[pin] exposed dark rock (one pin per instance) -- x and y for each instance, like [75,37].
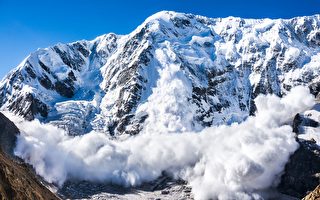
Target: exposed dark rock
[315,88]
[72,76]
[79,47]
[17,180]
[74,62]
[30,71]
[199,92]
[65,88]
[133,84]
[28,106]
[300,121]
[126,105]
[181,23]
[45,82]
[302,172]
[15,78]
[45,67]
[310,123]
[314,195]
[297,120]
[7,135]
[2,96]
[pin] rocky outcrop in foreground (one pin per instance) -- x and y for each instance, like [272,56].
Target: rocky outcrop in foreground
[17,180]
[314,195]
[302,172]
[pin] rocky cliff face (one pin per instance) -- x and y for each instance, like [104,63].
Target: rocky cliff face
[302,172]
[17,180]
[216,66]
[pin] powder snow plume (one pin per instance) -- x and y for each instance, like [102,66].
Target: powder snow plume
[225,162]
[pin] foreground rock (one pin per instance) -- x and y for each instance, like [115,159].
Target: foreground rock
[302,172]
[17,181]
[314,195]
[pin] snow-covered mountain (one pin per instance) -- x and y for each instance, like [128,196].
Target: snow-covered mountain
[181,71]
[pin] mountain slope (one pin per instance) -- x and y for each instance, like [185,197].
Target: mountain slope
[17,180]
[119,84]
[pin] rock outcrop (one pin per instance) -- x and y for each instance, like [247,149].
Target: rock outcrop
[314,195]
[17,180]
[302,172]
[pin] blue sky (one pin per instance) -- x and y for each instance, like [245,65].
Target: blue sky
[28,25]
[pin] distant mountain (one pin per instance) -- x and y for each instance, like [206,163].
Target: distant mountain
[211,69]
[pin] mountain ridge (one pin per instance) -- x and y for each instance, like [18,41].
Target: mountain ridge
[101,84]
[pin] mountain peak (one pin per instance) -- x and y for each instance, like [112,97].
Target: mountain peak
[164,15]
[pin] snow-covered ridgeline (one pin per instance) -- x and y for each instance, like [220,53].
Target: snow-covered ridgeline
[217,67]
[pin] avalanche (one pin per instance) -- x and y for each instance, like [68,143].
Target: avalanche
[224,162]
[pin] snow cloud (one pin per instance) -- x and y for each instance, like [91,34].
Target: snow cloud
[225,162]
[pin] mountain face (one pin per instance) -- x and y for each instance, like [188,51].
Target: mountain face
[213,67]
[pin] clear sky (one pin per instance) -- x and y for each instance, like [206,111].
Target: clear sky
[26,25]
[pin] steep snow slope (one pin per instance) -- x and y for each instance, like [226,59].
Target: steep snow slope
[59,84]
[181,71]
